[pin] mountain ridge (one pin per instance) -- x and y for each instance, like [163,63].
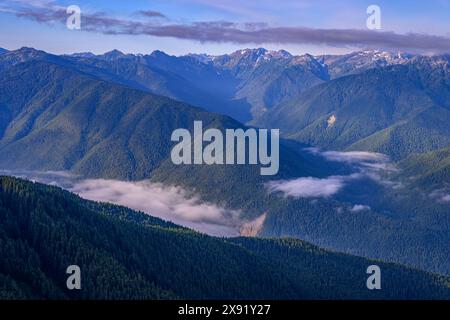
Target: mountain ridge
[401,98]
[122,253]
[243,84]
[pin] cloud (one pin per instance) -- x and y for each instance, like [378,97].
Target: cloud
[355,156]
[151,14]
[365,164]
[146,196]
[441,195]
[242,33]
[363,159]
[359,207]
[369,163]
[309,187]
[166,202]
[169,203]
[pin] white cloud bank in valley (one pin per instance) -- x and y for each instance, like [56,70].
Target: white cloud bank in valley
[166,202]
[358,158]
[366,165]
[309,187]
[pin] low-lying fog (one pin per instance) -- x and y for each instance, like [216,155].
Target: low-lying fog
[175,204]
[165,202]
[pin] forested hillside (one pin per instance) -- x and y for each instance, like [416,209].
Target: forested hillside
[70,120]
[429,171]
[126,254]
[396,110]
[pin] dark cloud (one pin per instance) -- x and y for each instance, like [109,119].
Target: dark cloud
[151,14]
[247,33]
[55,15]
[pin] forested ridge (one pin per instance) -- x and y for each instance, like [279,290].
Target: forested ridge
[125,254]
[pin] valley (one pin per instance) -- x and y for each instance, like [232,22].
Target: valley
[362,171]
[226,158]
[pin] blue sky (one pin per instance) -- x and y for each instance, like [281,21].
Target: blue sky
[222,26]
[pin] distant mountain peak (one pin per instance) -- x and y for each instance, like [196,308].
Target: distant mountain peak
[283,53]
[309,61]
[83,55]
[28,50]
[259,52]
[358,61]
[201,57]
[305,57]
[248,52]
[113,54]
[389,56]
[159,54]
[254,56]
[25,53]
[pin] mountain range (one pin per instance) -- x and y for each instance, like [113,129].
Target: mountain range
[274,88]
[267,88]
[397,110]
[110,116]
